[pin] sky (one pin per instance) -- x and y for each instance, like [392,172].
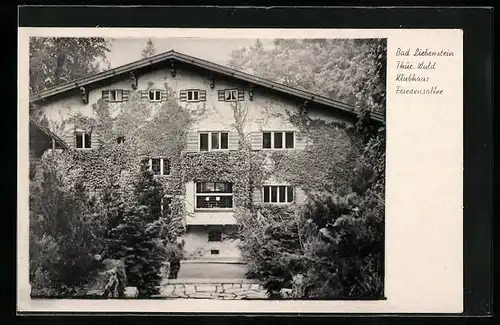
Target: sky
[126,50]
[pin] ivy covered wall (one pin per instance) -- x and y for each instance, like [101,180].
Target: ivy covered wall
[162,129]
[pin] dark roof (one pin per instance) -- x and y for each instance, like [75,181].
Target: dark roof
[217,68]
[60,144]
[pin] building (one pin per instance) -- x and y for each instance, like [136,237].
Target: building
[235,117]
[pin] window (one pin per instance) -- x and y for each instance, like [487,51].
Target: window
[159,166]
[214,252]
[231,95]
[278,140]
[83,140]
[215,235]
[155,95]
[213,141]
[193,95]
[214,195]
[278,194]
[120,140]
[115,95]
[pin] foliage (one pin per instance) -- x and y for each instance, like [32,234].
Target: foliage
[337,68]
[63,234]
[334,244]
[55,60]
[149,50]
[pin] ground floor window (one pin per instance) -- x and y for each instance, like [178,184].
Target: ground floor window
[214,235]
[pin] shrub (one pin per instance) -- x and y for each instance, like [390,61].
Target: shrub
[62,234]
[135,235]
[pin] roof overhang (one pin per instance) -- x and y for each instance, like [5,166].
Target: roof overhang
[216,68]
[50,136]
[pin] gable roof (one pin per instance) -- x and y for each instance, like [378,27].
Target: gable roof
[60,143]
[216,68]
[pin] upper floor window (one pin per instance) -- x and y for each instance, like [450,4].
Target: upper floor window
[115,95]
[214,141]
[159,166]
[214,195]
[193,95]
[120,139]
[231,95]
[278,140]
[83,140]
[155,95]
[278,194]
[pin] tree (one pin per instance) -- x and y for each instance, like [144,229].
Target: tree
[136,236]
[63,234]
[149,50]
[56,60]
[336,68]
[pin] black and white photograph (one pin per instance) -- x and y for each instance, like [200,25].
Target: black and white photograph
[207,168]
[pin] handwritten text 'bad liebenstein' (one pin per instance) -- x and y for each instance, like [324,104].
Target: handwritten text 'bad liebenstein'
[413,67]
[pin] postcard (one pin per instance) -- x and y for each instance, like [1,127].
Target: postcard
[247,171]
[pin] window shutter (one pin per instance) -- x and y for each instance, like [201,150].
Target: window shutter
[203,96]
[221,95]
[95,140]
[125,95]
[257,196]
[105,95]
[300,140]
[192,142]
[183,95]
[233,141]
[163,94]
[190,199]
[145,94]
[69,138]
[241,95]
[300,196]
[256,140]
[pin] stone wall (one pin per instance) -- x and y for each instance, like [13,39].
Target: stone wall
[209,289]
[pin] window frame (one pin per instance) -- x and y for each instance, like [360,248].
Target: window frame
[219,140]
[155,92]
[287,186]
[162,164]
[116,91]
[231,91]
[196,195]
[193,92]
[283,140]
[83,134]
[219,232]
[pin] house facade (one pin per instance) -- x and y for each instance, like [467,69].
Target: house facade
[218,139]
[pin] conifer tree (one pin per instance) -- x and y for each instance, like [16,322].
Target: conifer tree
[149,50]
[137,236]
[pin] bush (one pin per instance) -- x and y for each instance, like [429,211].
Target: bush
[136,233]
[62,234]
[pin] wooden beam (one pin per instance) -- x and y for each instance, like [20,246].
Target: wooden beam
[133,77]
[172,68]
[84,95]
[250,91]
[212,80]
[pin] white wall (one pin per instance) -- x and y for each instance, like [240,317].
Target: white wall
[265,112]
[196,243]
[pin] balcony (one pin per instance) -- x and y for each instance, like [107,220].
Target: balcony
[206,218]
